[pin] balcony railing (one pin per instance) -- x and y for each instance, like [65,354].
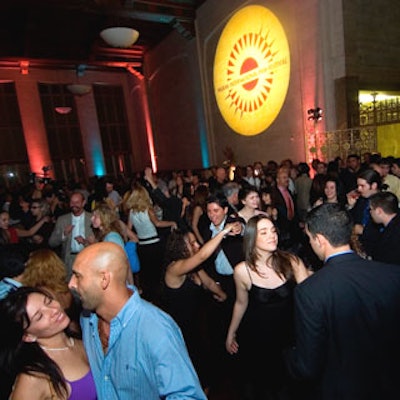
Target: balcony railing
[380,112]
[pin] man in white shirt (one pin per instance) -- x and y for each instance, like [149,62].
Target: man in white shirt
[72,230]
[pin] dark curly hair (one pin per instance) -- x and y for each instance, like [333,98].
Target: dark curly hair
[176,247]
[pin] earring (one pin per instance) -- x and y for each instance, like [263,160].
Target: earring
[29,338]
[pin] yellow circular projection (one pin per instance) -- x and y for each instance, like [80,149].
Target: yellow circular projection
[251,70]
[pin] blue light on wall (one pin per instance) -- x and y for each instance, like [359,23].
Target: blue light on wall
[98,162]
[205,155]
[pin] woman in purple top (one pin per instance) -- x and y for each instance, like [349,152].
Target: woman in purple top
[39,357]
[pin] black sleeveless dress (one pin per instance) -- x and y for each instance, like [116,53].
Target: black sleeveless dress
[265,331]
[186,305]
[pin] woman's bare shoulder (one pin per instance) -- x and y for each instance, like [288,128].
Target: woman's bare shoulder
[31,387]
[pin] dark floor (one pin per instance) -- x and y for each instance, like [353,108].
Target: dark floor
[224,391]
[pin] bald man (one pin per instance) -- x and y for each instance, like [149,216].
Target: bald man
[135,350]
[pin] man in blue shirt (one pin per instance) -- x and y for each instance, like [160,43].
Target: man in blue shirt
[12,266]
[135,350]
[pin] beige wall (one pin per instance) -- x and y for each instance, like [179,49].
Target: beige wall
[316,58]
[175,103]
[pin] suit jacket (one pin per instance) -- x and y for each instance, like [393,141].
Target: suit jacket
[371,231]
[56,237]
[387,247]
[347,318]
[232,246]
[290,234]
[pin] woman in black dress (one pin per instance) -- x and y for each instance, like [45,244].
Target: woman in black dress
[183,290]
[261,325]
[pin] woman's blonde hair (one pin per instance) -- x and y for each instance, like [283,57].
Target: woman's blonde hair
[109,220]
[45,268]
[139,199]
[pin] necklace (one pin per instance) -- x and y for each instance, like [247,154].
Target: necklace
[104,333]
[70,345]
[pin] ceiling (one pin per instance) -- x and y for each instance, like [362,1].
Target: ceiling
[65,33]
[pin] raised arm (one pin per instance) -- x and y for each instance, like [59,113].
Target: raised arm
[186,265]
[33,229]
[197,213]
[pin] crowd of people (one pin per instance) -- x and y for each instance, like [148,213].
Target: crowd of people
[282,280]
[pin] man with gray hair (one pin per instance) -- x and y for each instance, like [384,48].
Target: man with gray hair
[231,191]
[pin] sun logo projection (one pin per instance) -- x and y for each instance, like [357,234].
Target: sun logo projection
[243,73]
[251,70]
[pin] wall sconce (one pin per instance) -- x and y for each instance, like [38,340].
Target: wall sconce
[119,36]
[24,67]
[63,110]
[315,114]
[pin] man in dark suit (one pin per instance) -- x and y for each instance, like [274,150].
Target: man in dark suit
[384,209]
[369,182]
[220,266]
[290,235]
[347,317]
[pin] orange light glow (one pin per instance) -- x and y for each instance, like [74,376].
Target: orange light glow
[149,130]
[24,65]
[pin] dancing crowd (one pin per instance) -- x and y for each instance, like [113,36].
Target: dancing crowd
[263,282]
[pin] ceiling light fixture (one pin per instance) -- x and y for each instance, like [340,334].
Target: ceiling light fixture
[79,89]
[122,37]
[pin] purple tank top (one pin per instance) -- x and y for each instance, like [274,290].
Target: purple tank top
[83,388]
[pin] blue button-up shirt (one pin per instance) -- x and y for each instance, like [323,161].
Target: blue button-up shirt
[146,358]
[7,285]
[222,264]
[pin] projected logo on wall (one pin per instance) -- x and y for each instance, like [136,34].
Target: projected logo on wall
[251,70]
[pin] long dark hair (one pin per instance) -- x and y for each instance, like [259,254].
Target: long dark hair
[280,261]
[18,356]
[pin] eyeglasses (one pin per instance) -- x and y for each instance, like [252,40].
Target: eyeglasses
[34,207]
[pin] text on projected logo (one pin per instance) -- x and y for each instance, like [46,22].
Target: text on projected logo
[251,70]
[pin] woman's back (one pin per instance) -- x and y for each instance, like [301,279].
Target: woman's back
[114,237]
[145,229]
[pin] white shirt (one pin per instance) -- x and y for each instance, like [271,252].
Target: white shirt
[222,264]
[78,229]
